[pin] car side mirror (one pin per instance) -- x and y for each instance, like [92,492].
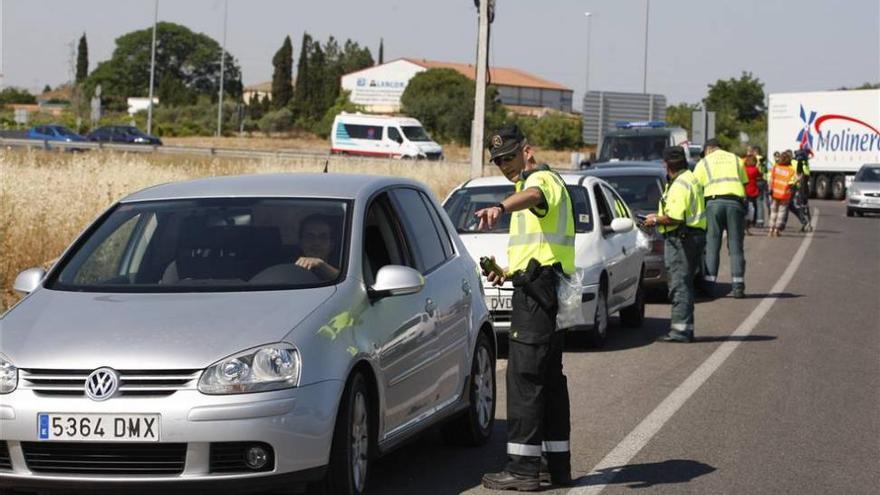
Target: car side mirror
[399,140]
[396,280]
[28,280]
[622,225]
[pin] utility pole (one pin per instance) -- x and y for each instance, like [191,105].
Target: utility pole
[1,45]
[222,67]
[152,69]
[645,67]
[589,16]
[477,128]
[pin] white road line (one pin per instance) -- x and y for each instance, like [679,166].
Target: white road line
[642,434]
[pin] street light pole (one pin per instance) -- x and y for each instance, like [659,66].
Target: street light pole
[152,69]
[222,67]
[589,17]
[645,68]
[477,128]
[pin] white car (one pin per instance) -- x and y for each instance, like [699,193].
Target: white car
[605,248]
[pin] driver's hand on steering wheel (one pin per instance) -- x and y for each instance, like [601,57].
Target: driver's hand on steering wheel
[310,263]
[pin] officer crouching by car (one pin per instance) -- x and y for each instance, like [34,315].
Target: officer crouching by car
[541,243]
[681,219]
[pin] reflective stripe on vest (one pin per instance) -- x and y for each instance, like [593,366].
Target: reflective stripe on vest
[548,239]
[781,179]
[722,173]
[695,213]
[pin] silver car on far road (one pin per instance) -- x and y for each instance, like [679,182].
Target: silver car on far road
[243,333]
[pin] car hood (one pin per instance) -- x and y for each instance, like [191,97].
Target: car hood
[866,187]
[75,330]
[428,147]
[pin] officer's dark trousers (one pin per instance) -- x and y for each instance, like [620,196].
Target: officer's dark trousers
[681,257]
[729,215]
[538,421]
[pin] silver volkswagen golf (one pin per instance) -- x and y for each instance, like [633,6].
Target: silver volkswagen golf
[245,332]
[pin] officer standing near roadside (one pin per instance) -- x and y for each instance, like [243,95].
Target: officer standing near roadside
[681,219]
[723,176]
[541,243]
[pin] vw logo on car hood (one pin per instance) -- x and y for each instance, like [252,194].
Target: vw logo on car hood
[102,384]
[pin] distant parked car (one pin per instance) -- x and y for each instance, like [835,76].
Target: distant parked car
[53,132]
[123,134]
[640,184]
[863,196]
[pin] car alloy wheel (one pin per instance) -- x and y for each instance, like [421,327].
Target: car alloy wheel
[360,441]
[484,382]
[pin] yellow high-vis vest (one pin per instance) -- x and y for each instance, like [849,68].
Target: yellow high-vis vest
[546,235]
[683,200]
[721,174]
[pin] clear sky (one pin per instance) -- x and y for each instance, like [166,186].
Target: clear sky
[790,45]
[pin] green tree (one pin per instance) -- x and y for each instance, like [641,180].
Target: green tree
[172,92]
[681,115]
[282,90]
[738,104]
[47,88]
[11,96]
[381,51]
[192,58]
[342,104]
[744,97]
[301,88]
[443,100]
[82,60]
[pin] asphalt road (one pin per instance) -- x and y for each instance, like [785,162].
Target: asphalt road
[780,394]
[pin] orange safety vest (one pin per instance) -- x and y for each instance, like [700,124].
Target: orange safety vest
[781,180]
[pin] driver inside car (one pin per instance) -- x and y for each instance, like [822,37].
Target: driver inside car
[317,242]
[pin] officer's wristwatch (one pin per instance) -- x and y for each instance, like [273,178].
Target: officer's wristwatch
[503,209]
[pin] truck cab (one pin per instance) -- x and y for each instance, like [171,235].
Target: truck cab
[642,141]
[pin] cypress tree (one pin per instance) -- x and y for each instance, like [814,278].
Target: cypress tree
[82,60]
[381,51]
[301,90]
[282,90]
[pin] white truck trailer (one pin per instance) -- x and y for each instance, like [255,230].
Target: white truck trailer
[841,128]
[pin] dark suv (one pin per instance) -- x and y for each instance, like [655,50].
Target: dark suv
[123,134]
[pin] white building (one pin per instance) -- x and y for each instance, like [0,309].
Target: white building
[379,88]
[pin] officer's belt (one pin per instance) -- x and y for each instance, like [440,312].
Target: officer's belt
[732,197]
[682,232]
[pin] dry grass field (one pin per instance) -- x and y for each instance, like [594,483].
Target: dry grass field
[47,198]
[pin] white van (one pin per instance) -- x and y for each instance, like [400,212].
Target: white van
[382,136]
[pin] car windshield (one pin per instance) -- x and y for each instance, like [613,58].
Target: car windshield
[868,174]
[639,148]
[641,192]
[210,245]
[462,204]
[415,133]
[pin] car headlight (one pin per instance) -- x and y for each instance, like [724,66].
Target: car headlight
[8,376]
[140,140]
[271,367]
[854,193]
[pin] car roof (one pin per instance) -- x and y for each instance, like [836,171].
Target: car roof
[628,170]
[570,178]
[337,186]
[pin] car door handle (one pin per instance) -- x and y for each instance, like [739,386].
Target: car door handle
[623,249]
[430,307]
[465,287]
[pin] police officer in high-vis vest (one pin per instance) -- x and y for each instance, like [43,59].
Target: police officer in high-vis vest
[540,247]
[723,176]
[681,219]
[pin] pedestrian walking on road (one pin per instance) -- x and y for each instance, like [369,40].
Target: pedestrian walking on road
[752,191]
[681,219]
[762,206]
[782,180]
[723,176]
[541,244]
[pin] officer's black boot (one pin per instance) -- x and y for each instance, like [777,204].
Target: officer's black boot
[510,481]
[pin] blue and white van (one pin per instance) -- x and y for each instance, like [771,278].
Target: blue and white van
[382,136]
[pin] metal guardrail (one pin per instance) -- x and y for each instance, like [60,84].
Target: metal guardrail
[180,150]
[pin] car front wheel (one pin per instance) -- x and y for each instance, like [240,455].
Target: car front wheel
[600,319]
[474,427]
[347,472]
